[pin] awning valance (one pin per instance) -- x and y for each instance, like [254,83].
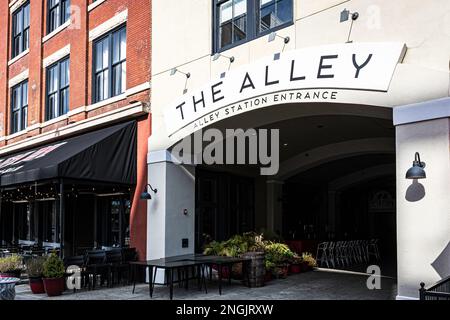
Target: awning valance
[106,155]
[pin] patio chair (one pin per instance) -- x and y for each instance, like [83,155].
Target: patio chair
[79,261]
[96,266]
[373,249]
[321,255]
[114,261]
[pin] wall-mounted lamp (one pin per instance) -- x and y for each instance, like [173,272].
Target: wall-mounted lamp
[175,70]
[145,195]
[273,35]
[416,171]
[217,55]
[345,15]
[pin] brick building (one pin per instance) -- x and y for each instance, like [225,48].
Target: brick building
[69,69]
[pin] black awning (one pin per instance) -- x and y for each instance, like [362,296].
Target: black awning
[107,155]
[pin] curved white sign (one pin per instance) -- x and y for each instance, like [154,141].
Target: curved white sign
[304,75]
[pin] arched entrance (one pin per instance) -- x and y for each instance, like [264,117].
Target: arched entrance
[332,168]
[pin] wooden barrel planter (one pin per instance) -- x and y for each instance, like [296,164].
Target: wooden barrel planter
[256,269]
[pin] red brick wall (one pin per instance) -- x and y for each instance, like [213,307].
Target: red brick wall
[77,35]
[138,57]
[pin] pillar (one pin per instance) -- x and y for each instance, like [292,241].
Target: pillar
[171,211]
[274,206]
[423,206]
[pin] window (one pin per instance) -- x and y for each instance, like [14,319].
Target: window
[58,79]
[58,13]
[238,21]
[21,30]
[110,66]
[19,107]
[273,13]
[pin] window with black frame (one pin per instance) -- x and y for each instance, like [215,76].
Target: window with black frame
[110,65]
[19,107]
[58,86]
[21,29]
[239,21]
[58,13]
[273,13]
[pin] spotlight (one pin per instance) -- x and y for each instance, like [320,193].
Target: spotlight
[273,35]
[175,70]
[145,195]
[217,55]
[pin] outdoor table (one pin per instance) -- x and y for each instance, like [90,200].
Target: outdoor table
[169,266]
[221,262]
[8,288]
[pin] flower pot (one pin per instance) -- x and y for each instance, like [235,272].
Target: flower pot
[268,276]
[281,271]
[225,271]
[11,274]
[37,285]
[295,268]
[54,286]
[306,267]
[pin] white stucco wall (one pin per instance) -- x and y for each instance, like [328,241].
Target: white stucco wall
[182,38]
[423,206]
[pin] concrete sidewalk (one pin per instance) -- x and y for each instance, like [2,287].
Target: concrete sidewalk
[317,285]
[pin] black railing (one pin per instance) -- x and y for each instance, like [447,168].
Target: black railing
[438,291]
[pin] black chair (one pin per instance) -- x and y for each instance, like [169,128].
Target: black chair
[96,266]
[79,261]
[114,261]
[128,255]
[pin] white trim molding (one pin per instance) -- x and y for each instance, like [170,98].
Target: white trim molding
[14,5]
[53,121]
[19,78]
[139,88]
[76,111]
[57,55]
[423,111]
[18,57]
[56,31]
[94,5]
[108,25]
[127,112]
[106,102]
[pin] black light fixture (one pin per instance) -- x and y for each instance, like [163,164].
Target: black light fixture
[273,35]
[217,55]
[145,195]
[175,70]
[417,170]
[345,14]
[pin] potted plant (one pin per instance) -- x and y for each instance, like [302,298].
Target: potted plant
[270,266]
[11,267]
[296,264]
[53,275]
[309,262]
[280,255]
[35,269]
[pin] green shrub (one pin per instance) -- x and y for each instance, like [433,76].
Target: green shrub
[309,259]
[53,267]
[278,253]
[11,263]
[35,267]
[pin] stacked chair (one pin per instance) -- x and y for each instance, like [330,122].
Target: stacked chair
[332,254]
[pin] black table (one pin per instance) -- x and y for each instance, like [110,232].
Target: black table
[169,266]
[221,262]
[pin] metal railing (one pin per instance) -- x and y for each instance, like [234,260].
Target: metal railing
[438,291]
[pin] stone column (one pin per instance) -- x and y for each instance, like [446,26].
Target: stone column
[423,206]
